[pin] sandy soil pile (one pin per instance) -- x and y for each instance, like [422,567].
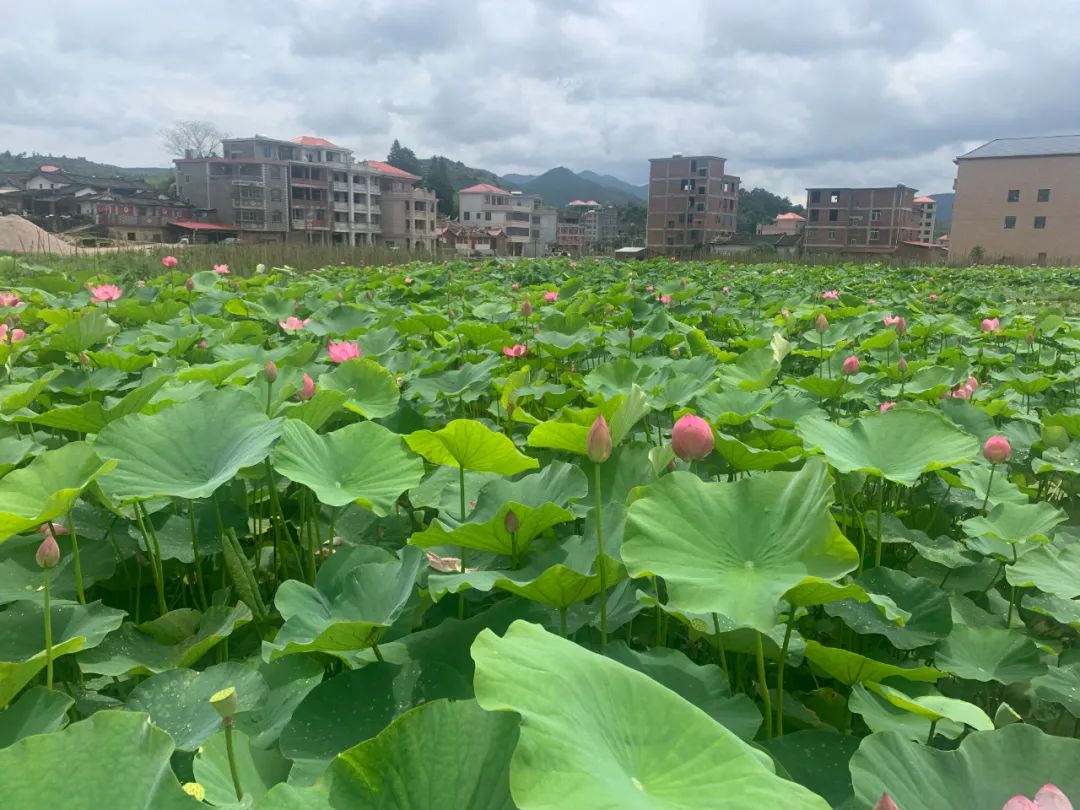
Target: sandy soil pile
[18,235]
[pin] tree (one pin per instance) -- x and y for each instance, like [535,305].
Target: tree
[404,158]
[437,179]
[631,223]
[201,138]
[759,206]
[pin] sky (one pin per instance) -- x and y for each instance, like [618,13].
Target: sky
[793,94]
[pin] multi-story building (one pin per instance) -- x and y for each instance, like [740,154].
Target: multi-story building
[546,219]
[789,223]
[926,214]
[408,212]
[519,215]
[570,233]
[692,203]
[601,227]
[133,218]
[1018,201]
[859,220]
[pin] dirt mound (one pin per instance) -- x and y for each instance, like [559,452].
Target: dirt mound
[18,235]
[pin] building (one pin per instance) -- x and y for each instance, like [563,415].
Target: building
[601,223]
[789,223]
[570,234]
[859,220]
[408,212]
[547,219]
[520,215]
[133,218]
[1017,201]
[926,214]
[758,244]
[692,203]
[471,240]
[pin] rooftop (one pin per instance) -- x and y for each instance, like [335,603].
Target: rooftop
[929,200]
[1041,146]
[311,140]
[192,225]
[791,215]
[483,188]
[678,156]
[385,168]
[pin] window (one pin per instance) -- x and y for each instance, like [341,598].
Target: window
[131,236]
[671,223]
[671,240]
[834,197]
[275,217]
[1043,195]
[275,195]
[814,214]
[187,178]
[873,235]
[487,216]
[815,196]
[700,207]
[832,233]
[875,215]
[1014,195]
[466,215]
[682,219]
[1042,260]
[1010,223]
[834,215]
[142,210]
[1040,223]
[703,172]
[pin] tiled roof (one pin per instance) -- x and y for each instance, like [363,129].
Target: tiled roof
[191,225]
[577,202]
[483,188]
[1026,147]
[930,200]
[311,140]
[791,215]
[923,244]
[48,167]
[385,168]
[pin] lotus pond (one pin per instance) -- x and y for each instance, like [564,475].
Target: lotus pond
[539,535]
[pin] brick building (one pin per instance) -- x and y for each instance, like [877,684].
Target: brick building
[859,220]
[693,203]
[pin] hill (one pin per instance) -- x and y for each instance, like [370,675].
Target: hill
[560,185]
[462,176]
[642,192]
[27,162]
[518,179]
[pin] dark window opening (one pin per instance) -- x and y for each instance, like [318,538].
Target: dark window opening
[1014,195]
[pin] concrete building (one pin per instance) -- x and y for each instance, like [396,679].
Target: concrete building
[570,234]
[1018,201]
[133,218]
[789,223]
[519,215]
[546,218]
[859,220]
[601,228]
[470,240]
[407,212]
[926,214]
[692,203]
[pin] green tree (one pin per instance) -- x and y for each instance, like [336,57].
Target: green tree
[404,158]
[630,219]
[759,206]
[437,179]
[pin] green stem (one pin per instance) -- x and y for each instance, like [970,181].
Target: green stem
[79,592]
[930,736]
[780,672]
[720,646]
[378,653]
[600,567]
[989,486]
[159,585]
[766,699]
[880,506]
[231,752]
[195,552]
[48,634]
[562,622]
[461,493]
[1012,601]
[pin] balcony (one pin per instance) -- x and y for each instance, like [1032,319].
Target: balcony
[241,202]
[248,182]
[340,206]
[339,186]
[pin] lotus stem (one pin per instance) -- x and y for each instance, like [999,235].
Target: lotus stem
[48,634]
[231,752]
[154,554]
[195,552]
[562,622]
[780,671]
[601,568]
[930,736]
[880,506]
[720,646]
[461,493]
[76,560]
[766,699]
[378,653]
[989,486]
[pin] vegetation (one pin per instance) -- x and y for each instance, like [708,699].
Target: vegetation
[760,207]
[195,138]
[537,534]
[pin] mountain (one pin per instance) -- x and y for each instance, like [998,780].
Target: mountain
[518,179]
[560,185]
[642,192]
[944,210]
[24,162]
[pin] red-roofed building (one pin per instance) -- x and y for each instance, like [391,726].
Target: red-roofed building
[311,140]
[784,223]
[483,188]
[926,211]
[393,171]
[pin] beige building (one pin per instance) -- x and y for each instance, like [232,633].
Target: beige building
[1018,201]
[521,216]
[407,213]
[859,220]
[789,223]
[926,214]
[692,204]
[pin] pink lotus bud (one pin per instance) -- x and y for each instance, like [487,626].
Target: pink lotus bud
[692,438]
[630,333]
[972,383]
[270,370]
[1049,797]
[203,344]
[515,287]
[48,553]
[961,393]
[169,261]
[900,324]
[511,522]
[901,365]
[526,308]
[885,803]
[307,390]
[997,449]
[851,365]
[190,283]
[886,406]
[551,296]
[933,297]
[1030,338]
[598,442]
[664,299]
[84,359]
[822,323]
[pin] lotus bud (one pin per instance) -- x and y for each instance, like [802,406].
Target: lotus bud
[692,438]
[886,406]
[190,283]
[203,344]
[901,365]
[900,325]
[260,268]
[270,370]
[1030,338]
[48,553]
[997,450]
[1055,436]
[851,365]
[822,323]
[598,442]
[630,333]
[84,359]
[885,803]
[307,390]
[515,287]
[526,308]
[511,522]
[224,703]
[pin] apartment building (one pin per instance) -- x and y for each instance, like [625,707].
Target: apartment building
[599,221]
[926,215]
[859,220]
[407,212]
[519,215]
[784,224]
[692,203]
[1018,201]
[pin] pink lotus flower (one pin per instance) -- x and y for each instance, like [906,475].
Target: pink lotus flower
[831,295]
[933,297]
[170,261]
[203,344]
[293,324]
[664,299]
[307,390]
[445,565]
[598,441]
[897,321]
[961,393]
[573,265]
[11,335]
[221,269]
[886,406]
[341,351]
[408,280]
[851,365]
[997,449]
[972,383]
[1049,797]
[10,299]
[692,438]
[885,803]
[106,292]
[56,529]
[517,350]
[551,296]
[991,325]
[515,287]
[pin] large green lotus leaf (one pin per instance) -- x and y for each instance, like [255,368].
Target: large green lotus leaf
[92,328]
[47,487]
[557,483]
[570,429]
[13,450]
[179,700]
[373,391]
[742,456]
[1015,522]
[470,445]
[361,463]
[988,769]
[706,686]
[22,638]
[752,370]
[257,769]
[288,680]
[37,711]
[935,707]
[851,668]
[733,406]
[926,604]
[881,715]
[356,705]
[1060,685]
[899,445]
[817,760]
[588,734]
[1055,460]
[316,411]
[989,654]
[1048,569]
[492,535]
[350,606]
[816,591]
[1066,611]
[113,760]
[976,478]
[467,383]
[736,548]
[177,639]
[187,450]
[20,575]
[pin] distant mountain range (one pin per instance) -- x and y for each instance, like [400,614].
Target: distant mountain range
[24,162]
[560,186]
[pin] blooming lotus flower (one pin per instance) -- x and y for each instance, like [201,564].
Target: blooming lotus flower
[170,261]
[896,321]
[106,292]
[293,324]
[692,438]
[551,296]
[664,299]
[598,441]
[886,406]
[961,393]
[822,323]
[851,365]
[11,335]
[933,297]
[445,565]
[972,383]
[221,269]
[831,295]
[1049,797]
[408,280]
[526,308]
[307,390]
[48,553]
[341,351]
[997,449]
[10,299]
[517,350]
[515,287]
[991,325]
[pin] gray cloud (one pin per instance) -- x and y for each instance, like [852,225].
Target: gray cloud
[793,92]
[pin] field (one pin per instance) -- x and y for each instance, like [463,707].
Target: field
[546,534]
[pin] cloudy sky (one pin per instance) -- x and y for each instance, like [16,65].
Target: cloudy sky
[793,93]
